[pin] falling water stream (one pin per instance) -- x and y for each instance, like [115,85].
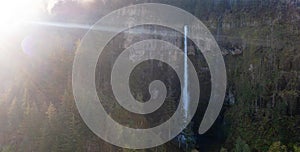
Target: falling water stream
[210,142]
[185,92]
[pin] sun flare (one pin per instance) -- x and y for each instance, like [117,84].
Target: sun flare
[14,12]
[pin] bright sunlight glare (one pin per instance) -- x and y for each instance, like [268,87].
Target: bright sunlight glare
[14,12]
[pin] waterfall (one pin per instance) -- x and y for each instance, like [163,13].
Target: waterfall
[185,93]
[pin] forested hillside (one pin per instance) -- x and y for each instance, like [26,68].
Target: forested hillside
[259,40]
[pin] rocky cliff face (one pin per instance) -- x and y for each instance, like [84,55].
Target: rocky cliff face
[259,41]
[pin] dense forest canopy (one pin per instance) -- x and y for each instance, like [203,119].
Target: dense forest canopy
[259,40]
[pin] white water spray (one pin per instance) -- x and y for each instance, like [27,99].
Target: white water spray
[185,92]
